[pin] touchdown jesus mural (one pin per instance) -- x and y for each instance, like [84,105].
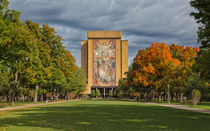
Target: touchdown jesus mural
[104,63]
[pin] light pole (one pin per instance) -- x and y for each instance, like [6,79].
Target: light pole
[168,94]
[54,94]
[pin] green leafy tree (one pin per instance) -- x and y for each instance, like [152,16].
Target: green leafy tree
[36,67]
[14,40]
[5,80]
[123,86]
[203,65]
[76,83]
[42,92]
[23,92]
[33,58]
[57,82]
[202,17]
[195,82]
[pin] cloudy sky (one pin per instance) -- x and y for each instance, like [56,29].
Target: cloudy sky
[141,21]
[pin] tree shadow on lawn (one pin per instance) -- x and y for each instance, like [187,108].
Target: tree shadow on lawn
[107,117]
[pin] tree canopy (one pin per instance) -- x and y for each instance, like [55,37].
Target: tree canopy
[33,58]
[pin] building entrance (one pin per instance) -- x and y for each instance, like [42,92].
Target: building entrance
[104,91]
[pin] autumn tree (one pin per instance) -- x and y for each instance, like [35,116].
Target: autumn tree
[181,73]
[150,66]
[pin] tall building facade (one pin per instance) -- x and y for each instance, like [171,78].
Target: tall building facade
[104,59]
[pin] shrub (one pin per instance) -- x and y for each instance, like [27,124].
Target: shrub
[84,96]
[93,93]
[120,95]
[110,93]
[196,95]
[115,93]
[98,94]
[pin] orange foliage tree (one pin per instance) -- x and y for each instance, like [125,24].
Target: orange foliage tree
[159,65]
[179,75]
[150,66]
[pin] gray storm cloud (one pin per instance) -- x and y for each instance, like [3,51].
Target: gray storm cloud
[141,21]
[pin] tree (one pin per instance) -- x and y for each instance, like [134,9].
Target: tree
[122,86]
[195,82]
[5,80]
[57,81]
[76,83]
[179,75]
[14,40]
[159,65]
[33,58]
[150,67]
[36,68]
[203,65]
[202,17]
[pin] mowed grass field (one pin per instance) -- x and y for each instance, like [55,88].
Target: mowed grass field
[101,115]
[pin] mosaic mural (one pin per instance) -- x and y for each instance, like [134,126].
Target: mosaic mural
[104,58]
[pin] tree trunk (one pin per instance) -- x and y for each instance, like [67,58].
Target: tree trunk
[145,96]
[23,98]
[172,98]
[53,93]
[176,97]
[164,96]
[42,97]
[181,96]
[7,98]
[36,93]
[14,89]
[159,98]
[159,95]
[52,97]
[57,95]
[153,96]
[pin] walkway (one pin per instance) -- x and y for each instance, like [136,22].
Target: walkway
[183,107]
[27,105]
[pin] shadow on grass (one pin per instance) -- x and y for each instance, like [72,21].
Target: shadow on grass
[88,115]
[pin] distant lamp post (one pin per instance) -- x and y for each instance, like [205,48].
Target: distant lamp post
[54,94]
[168,94]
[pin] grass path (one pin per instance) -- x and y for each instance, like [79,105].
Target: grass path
[102,115]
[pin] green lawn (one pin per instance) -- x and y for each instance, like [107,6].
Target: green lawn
[100,115]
